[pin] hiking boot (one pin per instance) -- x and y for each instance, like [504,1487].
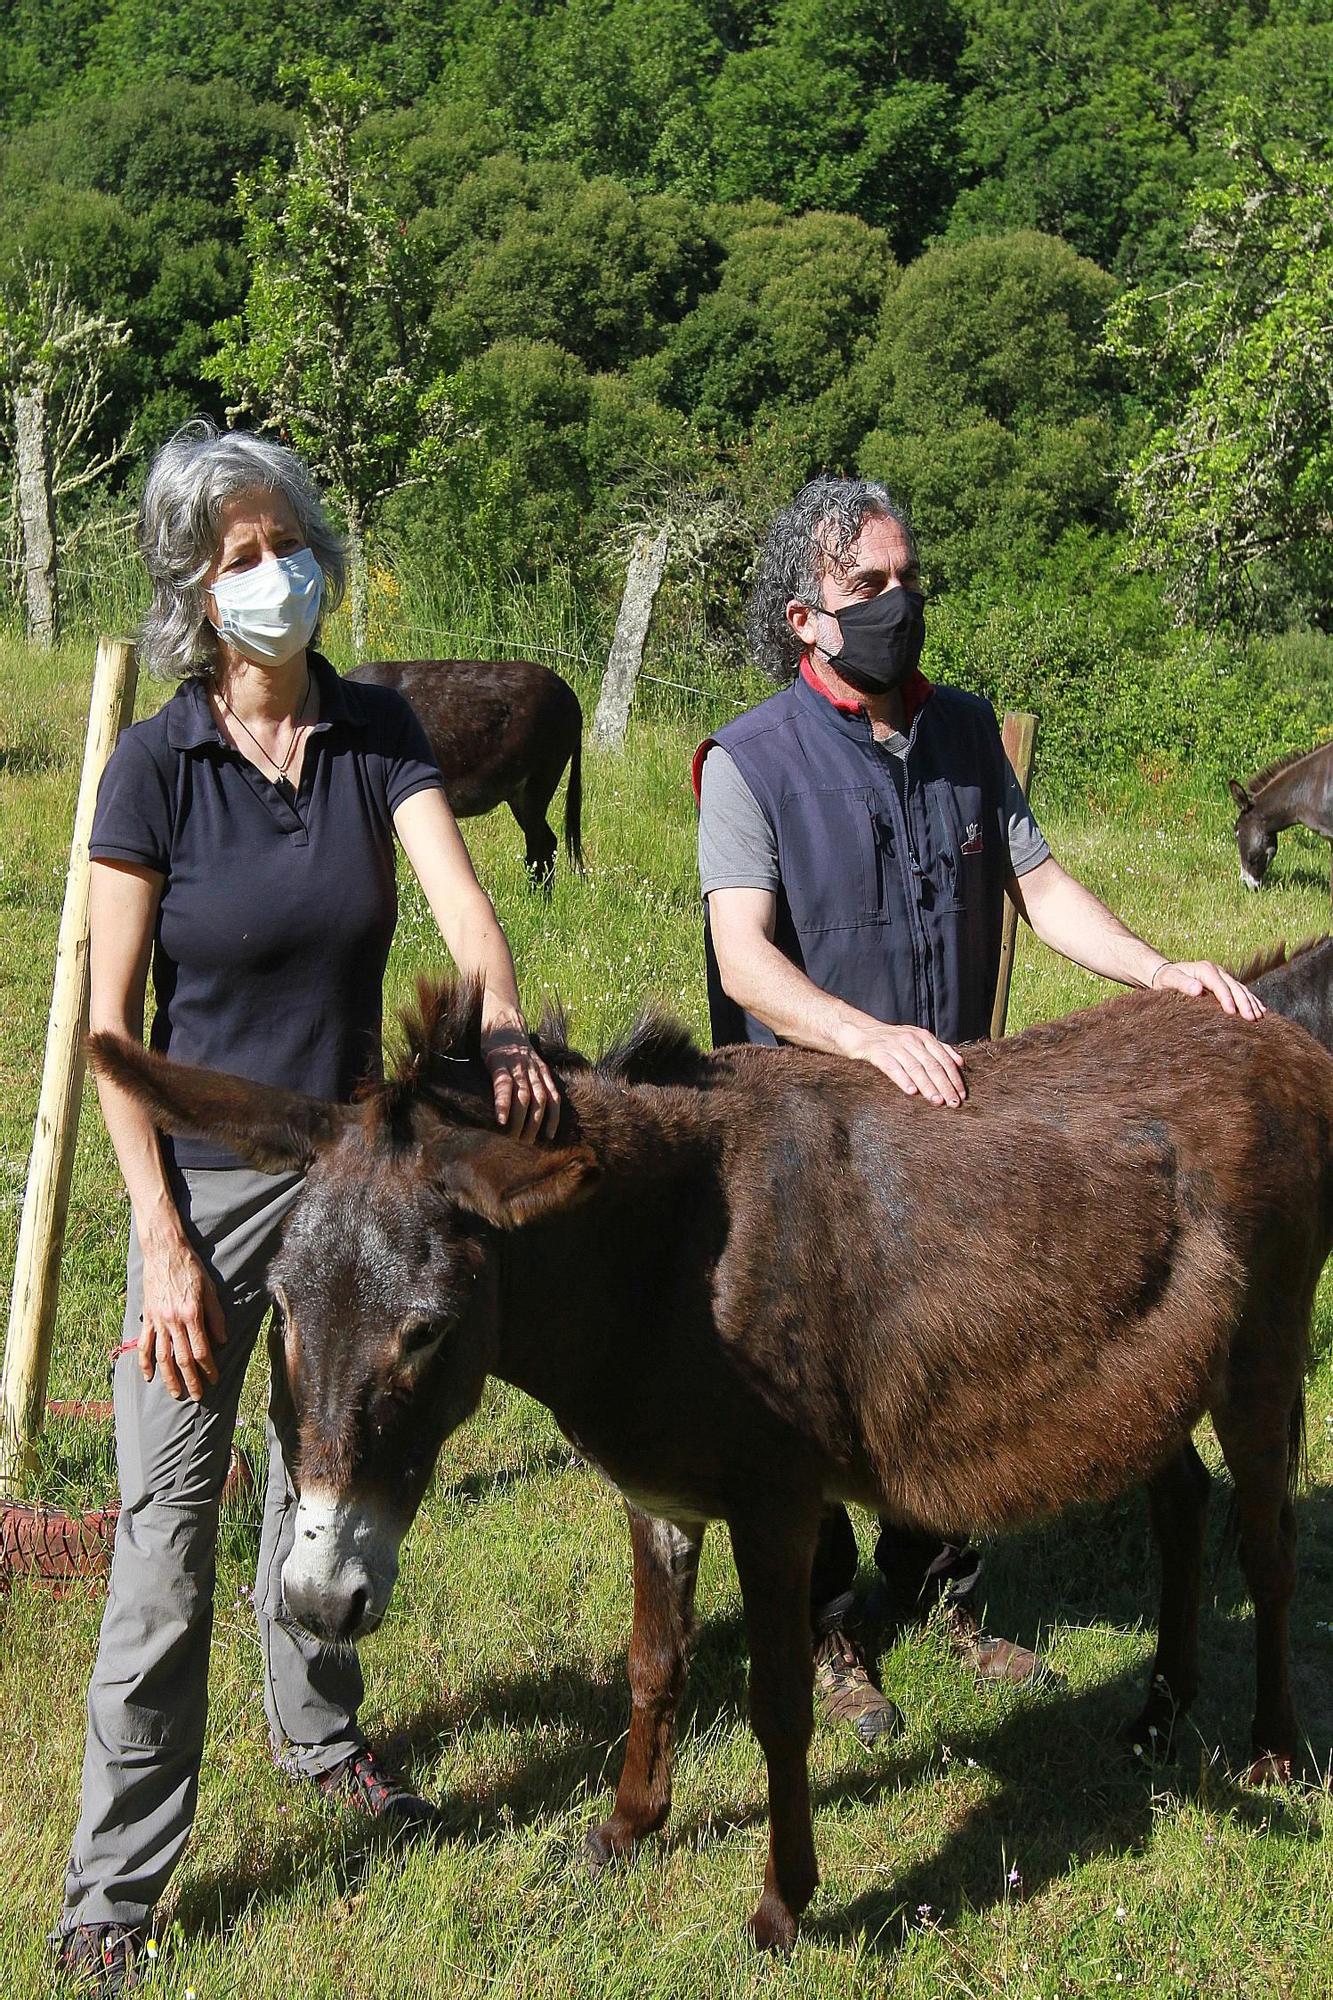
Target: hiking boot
[990,1659]
[98,1960]
[363,1785]
[847,1691]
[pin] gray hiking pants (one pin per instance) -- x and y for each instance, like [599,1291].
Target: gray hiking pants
[149,1695]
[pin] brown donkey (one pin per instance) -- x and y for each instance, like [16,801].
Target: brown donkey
[748,1282]
[502,732]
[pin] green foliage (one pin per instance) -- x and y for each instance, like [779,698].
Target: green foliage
[995,412]
[796,302]
[843,106]
[134,198]
[1181,704]
[1080,118]
[668,258]
[536,250]
[1229,496]
[331,346]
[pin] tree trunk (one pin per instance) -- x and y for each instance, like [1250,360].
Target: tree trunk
[37,516]
[357,579]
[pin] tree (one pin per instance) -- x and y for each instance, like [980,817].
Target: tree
[331,346]
[1230,495]
[53,353]
[995,410]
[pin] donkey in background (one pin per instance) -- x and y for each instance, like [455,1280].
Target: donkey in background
[747,1282]
[1296,791]
[502,732]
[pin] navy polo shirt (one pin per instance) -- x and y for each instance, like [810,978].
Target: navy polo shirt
[278,906]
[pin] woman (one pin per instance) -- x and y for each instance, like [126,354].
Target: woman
[243,842]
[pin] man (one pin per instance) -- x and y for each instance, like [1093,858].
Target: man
[857,833]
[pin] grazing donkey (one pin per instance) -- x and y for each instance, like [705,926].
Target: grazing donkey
[502,732]
[1296,791]
[748,1282]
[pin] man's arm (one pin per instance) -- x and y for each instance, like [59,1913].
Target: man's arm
[1075,923]
[759,978]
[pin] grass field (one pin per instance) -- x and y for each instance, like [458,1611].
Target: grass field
[1003,1846]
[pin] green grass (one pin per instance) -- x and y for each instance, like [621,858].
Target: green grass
[499,1675]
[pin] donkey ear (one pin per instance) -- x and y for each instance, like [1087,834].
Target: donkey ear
[1239,794]
[273,1129]
[508,1183]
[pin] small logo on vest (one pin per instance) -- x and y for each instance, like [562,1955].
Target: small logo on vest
[972,845]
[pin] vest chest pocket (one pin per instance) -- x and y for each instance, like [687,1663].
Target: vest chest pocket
[827,857]
[960,842]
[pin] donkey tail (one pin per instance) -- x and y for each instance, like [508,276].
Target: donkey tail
[574,804]
[1298,1447]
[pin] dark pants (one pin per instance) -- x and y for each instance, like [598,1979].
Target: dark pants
[917,1568]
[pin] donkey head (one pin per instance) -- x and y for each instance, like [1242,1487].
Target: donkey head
[387,1285]
[1256,841]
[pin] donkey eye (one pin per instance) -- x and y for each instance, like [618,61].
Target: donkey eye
[418,1334]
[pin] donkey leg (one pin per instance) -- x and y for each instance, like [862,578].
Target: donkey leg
[1258,1454]
[666,1564]
[539,842]
[1178,1504]
[773,1560]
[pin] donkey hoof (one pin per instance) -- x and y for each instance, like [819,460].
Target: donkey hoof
[1270,1767]
[773,1927]
[606,1843]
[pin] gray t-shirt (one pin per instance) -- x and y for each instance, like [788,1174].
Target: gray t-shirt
[738,848]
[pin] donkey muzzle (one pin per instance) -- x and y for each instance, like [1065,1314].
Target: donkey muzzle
[340,1573]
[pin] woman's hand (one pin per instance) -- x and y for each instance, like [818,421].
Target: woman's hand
[527,1097]
[182,1319]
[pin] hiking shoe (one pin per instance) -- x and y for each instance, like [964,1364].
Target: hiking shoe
[363,1784]
[990,1659]
[98,1959]
[847,1691]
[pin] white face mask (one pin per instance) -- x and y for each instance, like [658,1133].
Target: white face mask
[269,612]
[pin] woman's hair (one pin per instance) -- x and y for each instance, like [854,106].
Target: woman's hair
[190,481]
[805,542]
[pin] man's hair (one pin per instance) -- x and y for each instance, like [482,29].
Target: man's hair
[805,542]
[192,478]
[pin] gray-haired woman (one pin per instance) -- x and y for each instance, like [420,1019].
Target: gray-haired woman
[244,844]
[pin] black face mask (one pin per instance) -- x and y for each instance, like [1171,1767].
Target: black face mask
[882,639]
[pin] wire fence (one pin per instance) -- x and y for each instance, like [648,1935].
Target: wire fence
[556,619]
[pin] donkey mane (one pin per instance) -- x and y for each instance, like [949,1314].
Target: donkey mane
[1262,779]
[1276,955]
[439,1060]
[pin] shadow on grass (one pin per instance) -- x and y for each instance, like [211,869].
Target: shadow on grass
[477,1487]
[1068,1791]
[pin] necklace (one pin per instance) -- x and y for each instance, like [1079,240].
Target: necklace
[267,755]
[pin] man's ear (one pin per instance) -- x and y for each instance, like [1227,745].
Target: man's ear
[274,1129]
[1240,795]
[507,1182]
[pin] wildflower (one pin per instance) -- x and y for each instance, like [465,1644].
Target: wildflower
[1121,1914]
[1013,1878]
[151,1947]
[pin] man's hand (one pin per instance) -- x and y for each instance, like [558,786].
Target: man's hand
[182,1320]
[912,1058]
[1199,975]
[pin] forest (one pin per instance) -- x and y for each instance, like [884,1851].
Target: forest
[524,278]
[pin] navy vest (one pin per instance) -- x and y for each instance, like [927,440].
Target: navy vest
[893,870]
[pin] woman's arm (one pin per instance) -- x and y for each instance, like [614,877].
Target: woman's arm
[182,1319]
[524,1087]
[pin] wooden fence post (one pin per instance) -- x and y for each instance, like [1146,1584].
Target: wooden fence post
[1020,743]
[32,1308]
[622,668]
